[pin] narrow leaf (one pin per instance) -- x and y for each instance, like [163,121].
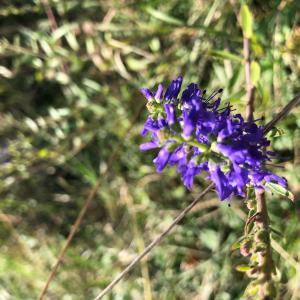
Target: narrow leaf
[275,132]
[242,268]
[225,55]
[276,232]
[278,189]
[163,17]
[237,244]
[246,21]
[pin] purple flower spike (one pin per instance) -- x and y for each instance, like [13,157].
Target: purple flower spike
[197,134]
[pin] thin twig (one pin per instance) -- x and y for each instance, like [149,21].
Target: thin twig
[24,249]
[293,103]
[127,198]
[54,27]
[50,15]
[155,242]
[85,207]
[70,237]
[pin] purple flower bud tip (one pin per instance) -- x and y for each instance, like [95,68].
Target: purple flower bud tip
[147,93]
[159,92]
[149,145]
[162,159]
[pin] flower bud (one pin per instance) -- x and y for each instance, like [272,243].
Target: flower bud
[253,273]
[245,248]
[251,204]
[262,236]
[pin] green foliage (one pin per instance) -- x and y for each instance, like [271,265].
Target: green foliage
[246,21]
[71,113]
[276,188]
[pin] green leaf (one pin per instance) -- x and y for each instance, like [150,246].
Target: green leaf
[255,72]
[72,41]
[237,244]
[276,232]
[163,17]
[137,64]
[278,189]
[210,239]
[276,132]
[84,169]
[225,55]
[246,21]
[154,44]
[242,268]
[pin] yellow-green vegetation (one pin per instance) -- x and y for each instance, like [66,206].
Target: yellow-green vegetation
[71,114]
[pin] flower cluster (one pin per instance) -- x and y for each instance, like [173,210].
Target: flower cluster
[195,133]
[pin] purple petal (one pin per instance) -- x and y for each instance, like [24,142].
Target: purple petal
[159,92]
[177,155]
[277,179]
[191,172]
[149,145]
[221,181]
[147,93]
[174,89]
[190,119]
[192,92]
[151,125]
[170,111]
[162,159]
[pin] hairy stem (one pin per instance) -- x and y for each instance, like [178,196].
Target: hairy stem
[249,85]
[262,222]
[264,255]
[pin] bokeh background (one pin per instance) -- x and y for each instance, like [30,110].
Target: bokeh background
[71,114]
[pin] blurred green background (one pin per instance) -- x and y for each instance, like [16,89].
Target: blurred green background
[71,114]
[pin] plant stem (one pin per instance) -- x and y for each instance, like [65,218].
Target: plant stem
[85,207]
[153,243]
[74,229]
[264,255]
[293,103]
[262,222]
[249,85]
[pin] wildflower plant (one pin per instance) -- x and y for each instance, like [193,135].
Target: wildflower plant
[198,134]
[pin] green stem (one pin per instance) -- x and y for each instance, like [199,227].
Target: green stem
[202,147]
